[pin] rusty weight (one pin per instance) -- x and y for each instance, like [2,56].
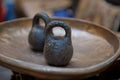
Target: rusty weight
[58,50]
[36,37]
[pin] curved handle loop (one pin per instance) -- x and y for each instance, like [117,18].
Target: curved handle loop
[56,23]
[42,16]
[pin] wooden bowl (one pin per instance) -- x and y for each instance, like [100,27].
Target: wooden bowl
[95,48]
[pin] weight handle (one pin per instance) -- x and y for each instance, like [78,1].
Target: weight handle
[56,23]
[42,16]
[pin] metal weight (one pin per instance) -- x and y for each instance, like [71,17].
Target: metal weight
[37,34]
[58,50]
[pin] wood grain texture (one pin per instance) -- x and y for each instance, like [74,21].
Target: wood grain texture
[95,48]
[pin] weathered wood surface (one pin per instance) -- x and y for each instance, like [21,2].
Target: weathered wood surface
[95,48]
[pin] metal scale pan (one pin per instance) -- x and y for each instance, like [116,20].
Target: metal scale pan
[95,48]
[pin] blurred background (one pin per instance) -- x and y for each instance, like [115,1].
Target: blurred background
[102,12]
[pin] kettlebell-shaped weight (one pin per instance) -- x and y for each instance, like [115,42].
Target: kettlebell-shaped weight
[36,36]
[58,51]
